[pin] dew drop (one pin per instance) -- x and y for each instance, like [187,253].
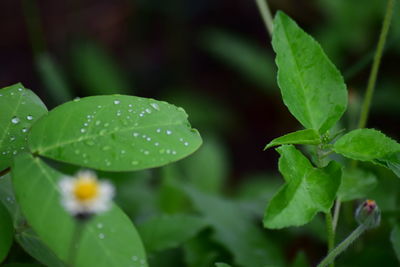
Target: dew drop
[155,106]
[186,144]
[148,139]
[134,162]
[24,130]
[156,144]
[83,130]
[169,132]
[146,152]
[85,124]
[158,130]
[12,138]
[99,225]
[106,124]
[123,151]
[97,123]
[76,99]
[15,152]
[135,134]
[20,89]
[29,117]
[148,110]
[15,120]
[101,236]
[116,102]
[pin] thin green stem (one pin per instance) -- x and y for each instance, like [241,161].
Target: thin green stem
[330,233]
[336,214]
[342,246]
[266,15]
[73,246]
[375,65]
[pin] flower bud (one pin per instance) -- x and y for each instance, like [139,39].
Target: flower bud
[368,214]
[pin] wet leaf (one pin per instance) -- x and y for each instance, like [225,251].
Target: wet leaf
[19,109]
[109,239]
[115,133]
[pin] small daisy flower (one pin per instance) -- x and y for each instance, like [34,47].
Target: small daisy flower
[84,195]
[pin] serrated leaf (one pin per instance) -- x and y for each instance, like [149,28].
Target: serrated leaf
[169,231]
[356,184]
[6,232]
[235,230]
[368,145]
[307,191]
[109,239]
[19,109]
[115,133]
[395,239]
[311,86]
[302,137]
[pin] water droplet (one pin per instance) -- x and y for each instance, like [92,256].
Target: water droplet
[148,139]
[116,102]
[181,139]
[15,120]
[158,130]
[12,138]
[76,99]
[169,132]
[15,152]
[85,124]
[135,134]
[101,236]
[90,143]
[99,225]
[108,163]
[173,152]
[29,117]
[24,130]
[146,152]
[155,106]
[134,162]
[106,124]
[186,144]
[168,151]
[105,148]
[148,110]
[83,130]
[130,105]
[156,144]
[97,123]
[123,151]
[99,106]
[141,114]
[20,89]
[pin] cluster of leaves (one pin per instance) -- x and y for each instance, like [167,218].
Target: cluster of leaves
[109,133]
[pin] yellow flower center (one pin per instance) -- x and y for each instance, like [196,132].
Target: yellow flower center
[86,189]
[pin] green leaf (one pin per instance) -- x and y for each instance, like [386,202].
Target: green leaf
[221,264]
[6,232]
[367,145]
[307,191]
[300,260]
[115,133]
[395,239]
[235,230]
[302,137]
[32,244]
[24,235]
[391,162]
[356,184]
[311,86]
[200,251]
[169,231]
[109,239]
[213,155]
[19,109]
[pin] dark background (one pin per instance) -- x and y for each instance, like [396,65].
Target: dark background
[212,57]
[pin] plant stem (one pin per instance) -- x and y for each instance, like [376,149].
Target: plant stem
[34,25]
[330,233]
[375,65]
[336,214]
[266,15]
[76,236]
[342,246]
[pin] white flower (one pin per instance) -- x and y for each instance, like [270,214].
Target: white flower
[84,194]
